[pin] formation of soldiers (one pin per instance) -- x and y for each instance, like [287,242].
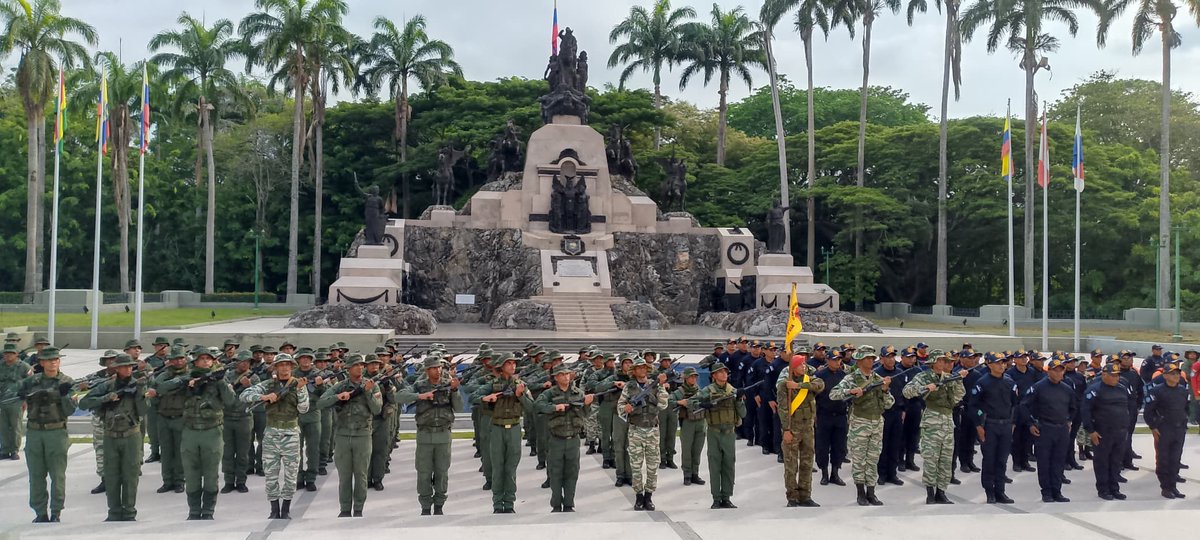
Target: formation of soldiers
[213,417]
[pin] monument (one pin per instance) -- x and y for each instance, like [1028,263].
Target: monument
[562,231]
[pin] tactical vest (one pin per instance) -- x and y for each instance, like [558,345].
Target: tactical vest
[507,410]
[436,414]
[568,423]
[722,414]
[868,406]
[238,410]
[45,408]
[939,400]
[646,414]
[121,418]
[204,409]
[283,414]
[171,404]
[352,417]
[687,392]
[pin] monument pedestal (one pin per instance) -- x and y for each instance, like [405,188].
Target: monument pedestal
[776,274]
[376,275]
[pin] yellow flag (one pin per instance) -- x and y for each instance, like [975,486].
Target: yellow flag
[794,326]
[796,401]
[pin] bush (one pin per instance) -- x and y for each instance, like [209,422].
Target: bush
[248,297]
[12,297]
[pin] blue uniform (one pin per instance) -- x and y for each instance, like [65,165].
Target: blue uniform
[992,405]
[892,454]
[1022,439]
[750,375]
[769,428]
[1166,411]
[1137,391]
[913,410]
[1106,411]
[965,437]
[1150,365]
[832,423]
[1050,407]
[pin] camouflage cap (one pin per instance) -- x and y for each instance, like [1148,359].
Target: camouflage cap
[49,353]
[179,341]
[322,351]
[552,356]
[664,357]
[505,358]
[123,360]
[282,358]
[935,355]
[12,348]
[689,371]
[640,362]
[40,340]
[287,344]
[161,340]
[561,368]
[304,351]
[862,353]
[485,355]
[372,359]
[719,345]
[203,351]
[12,336]
[244,356]
[109,354]
[610,357]
[176,352]
[232,343]
[341,346]
[431,362]
[256,348]
[718,366]
[132,344]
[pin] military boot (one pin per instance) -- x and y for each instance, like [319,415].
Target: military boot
[640,503]
[835,479]
[871,497]
[824,476]
[697,480]
[647,503]
[274,510]
[930,497]
[862,495]
[591,448]
[437,510]
[285,509]
[939,497]
[99,488]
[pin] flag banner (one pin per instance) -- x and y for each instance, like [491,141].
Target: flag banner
[102,115]
[60,106]
[1043,173]
[794,325]
[1077,155]
[145,109]
[554,31]
[1006,150]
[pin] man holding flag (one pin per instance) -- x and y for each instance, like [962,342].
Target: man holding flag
[798,390]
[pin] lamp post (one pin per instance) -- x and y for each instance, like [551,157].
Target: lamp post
[827,254]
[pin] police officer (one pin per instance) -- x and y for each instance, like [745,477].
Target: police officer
[940,390]
[121,404]
[358,400]
[1049,406]
[892,454]
[47,398]
[209,396]
[437,400]
[1137,388]
[965,434]
[768,413]
[913,408]
[691,424]
[1152,364]
[1078,383]
[1166,415]
[724,410]
[564,407]
[992,406]
[508,399]
[831,427]
[797,408]
[753,367]
[1106,420]
[237,431]
[12,372]
[169,405]
[1025,376]
[870,395]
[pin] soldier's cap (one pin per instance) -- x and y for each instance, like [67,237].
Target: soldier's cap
[179,341]
[321,357]
[372,359]
[1114,368]
[717,366]
[124,360]
[1056,363]
[431,362]
[203,351]
[772,346]
[689,371]
[40,340]
[341,346]
[287,344]
[12,336]
[382,350]
[537,350]
[887,350]
[506,357]
[561,368]
[1156,347]
[323,350]
[609,357]
[802,350]
[355,359]
[232,342]
[649,352]
[304,351]
[485,355]
[529,345]
[585,350]
[922,345]
[864,352]
[484,346]
[640,362]
[719,345]
[132,344]
[160,340]
[937,354]
[994,357]
[966,353]
[1172,366]
[819,346]
[1097,352]
[109,354]
[267,349]
[1126,352]
[12,348]
[707,361]
[552,356]
[911,351]
[624,357]
[49,353]
[664,357]
[176,353]
[256,348]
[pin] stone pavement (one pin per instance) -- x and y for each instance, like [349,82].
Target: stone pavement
[605,512]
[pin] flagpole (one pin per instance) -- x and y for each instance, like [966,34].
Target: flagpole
[141,254]
[54,217]
[96,247]
[1012,310]
[1078,170]
[1045,238]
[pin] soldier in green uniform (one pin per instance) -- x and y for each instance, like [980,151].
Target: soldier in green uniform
[508,400]
[668,419]
[237,433]
[120,402]
[483,378]
[691,423]
[532,365]
[208,397]
[106,371]
[437,400]
[565,408]
[150,426]
[797,391]
[12,372]
[599,381]
[381,427]
[724,411]
[47,398]
[865,433]
[941,391]
[591,425]
[310,421]
[285,398]
[640,403]
[322,363]
[620,429]
[356,400]
[31,357]
[170,405]
[540,381]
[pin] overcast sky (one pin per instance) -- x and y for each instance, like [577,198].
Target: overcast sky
[495,39]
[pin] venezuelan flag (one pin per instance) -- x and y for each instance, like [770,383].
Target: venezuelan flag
[102,115]
[60,119]
[1006,150]
[145,110]
[554,31]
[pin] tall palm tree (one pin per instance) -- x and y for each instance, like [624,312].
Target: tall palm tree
[396,55]
[275,36]
[1022,22]
[951,71]
[652,39]
[198,71]
[729,46]
[1156,15]
[39,34]
[768,18]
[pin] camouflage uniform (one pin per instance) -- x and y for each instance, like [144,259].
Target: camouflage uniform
[865,436]
[281,438]
[800,422]
[937,425]
[643,450]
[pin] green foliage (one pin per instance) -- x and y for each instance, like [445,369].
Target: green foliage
[239,297]
[886,106]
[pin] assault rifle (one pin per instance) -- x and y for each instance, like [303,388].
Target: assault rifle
[942,383]
[879,383]
[737,393]
[63,390]
[640,398]
[596,395]
[359,388]
[288,387]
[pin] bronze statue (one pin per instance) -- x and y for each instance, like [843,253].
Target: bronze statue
[567,75]
[569,202]
[448,157]
[506,155]
[675,185]
[776,232]
[581,73]
[373,215]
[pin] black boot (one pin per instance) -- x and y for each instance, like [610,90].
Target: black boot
[871,497]
[824,476]
[358,512]
[991,496]
[425,511]
[862,495]
[647,503]
[687,480]
[437,510]
[285,509]
[274,510]
[640,503]
[591,448]
[939,497]
[930,497]
[227,488]
[697,480]
[98,489]
[1002,498]
[835,479]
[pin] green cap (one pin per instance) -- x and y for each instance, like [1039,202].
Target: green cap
[355,359]
[341,346]
[40,340]
[244,356]
[866,351]
[717,366]
[689,371]
[12,336]
[11,348]
[180,342]
[124,360]
[160,340]
[176,352]
[203,351]
[561,368]
[256,348]
[267,349]
[284,357]
[640,362]
[552,356]
[431,362]
[382,350]
[372,359]
[49,353]
[305,351]
[232,342]
[109,354]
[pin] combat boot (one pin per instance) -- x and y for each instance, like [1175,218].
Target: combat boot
[687,480]
[862,495]
[991,497]
[871,497]
[835,479]
[824,476]
[939,497]
[647,503]
[437,510]
[425,511]
[99,488]
[274,510]
[1002,498]
[930,496]
[697,480]
[640,503]
[591,448]
[285,509]
[911,465]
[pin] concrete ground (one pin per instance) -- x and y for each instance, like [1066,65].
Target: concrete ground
[606,512]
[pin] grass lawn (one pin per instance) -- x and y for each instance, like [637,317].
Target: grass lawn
[1132,334]
[158,318]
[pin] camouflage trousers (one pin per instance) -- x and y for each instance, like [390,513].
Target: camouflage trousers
[98,443]
[644,458]
[797,464]
[937,448]
[865,441]
[281,461]
[591,425]
[1081,438]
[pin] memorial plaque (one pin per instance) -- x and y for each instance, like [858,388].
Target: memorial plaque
[575,268]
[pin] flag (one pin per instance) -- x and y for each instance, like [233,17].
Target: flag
[1077,157]
[60,119]
[1043,173]
[145,110]
[554,31]
[102,115]
[794,326]
[1006,151]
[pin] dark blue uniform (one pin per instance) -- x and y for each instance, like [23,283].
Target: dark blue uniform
[1106,411]
[1050,407]
[1150,365]
[965,437]
[992,405]
[913,410]
[1079,384]
[1022,439]
[769,429]
[892,454]
[1166,411]
[832,423]
[1137,392]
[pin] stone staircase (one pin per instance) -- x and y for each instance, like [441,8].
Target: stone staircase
[582,312]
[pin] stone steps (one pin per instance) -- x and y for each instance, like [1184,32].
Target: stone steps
[583,313]
[568,345]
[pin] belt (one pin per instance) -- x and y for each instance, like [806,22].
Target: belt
[576,436]
[721,427]
[1052,424]
[46,427]
[122,434]
[998,421]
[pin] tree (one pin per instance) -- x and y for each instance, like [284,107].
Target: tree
[728,47]
[276,36]
[1022,21]
[39,33]
[396,55]
[198,71]
[768,18]
[652,39]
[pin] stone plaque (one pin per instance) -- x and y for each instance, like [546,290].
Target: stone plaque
[575,268]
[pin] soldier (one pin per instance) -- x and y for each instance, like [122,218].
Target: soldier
[539,382]
[992,406]
[238,430]
[913,408]
[259,415]
[484,377]
[596,383]
[381,442]
[591,425]
[1049,406]
[437,400]
[620,430]
[668,419]
[1166,415]
[565,408]
[723,410]
[170,405]
[891,456]
[1106,419]
[203,413]
[322,363]
[870,395]
[47,398]
[691,423]
[508,400]
[154,362]
[941,392]
[797,414]
[12,372]
[121,404]
[97,421]
[832,426]
[285,399]
[310,420]
[32,357]
[640,403]
[358,400]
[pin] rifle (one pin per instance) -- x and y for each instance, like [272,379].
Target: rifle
[410,349]
[286,388]
[879,383]
[640,398]
[90,380]
[64,389]
[942,382]
[737,393]
[358,389]
[596,395]
[203,380]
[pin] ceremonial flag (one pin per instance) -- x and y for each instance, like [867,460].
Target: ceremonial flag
[102,115]
[794,325]
[554,31]
[1006,151]
[145,109]
[60,119]
[1077,158]
[1043,172]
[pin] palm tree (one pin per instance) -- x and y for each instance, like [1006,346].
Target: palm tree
[652,39]
[728,47]
[198,71]
[951,70]
[768,18]
[1022,22]
[396,55]
[39,32]
[1156,15]
[276,36]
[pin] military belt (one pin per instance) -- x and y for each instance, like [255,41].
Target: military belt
[136,430]
[46,427]
[722,427]
[283,424]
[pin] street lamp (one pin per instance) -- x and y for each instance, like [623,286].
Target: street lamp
[827,255]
